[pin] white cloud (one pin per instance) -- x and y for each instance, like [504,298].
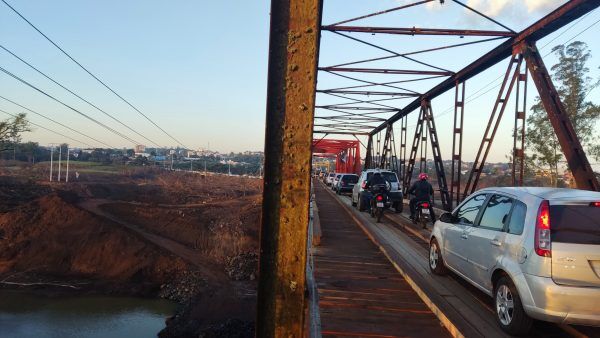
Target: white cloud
[496,8]
[541,5]
[491,7]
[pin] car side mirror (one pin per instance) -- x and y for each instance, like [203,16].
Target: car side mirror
[448,218]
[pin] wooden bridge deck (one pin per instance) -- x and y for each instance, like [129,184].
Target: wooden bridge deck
[360,292]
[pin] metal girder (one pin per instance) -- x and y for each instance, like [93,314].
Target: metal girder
[293,56]
[417,31]
[383,12]
[413,153]
[437,156]
[368,93]
[510,77]
[569,142]
[457,142]
[386,143]
[386,71]
[403,135]
[560,17]
[518,156]
[389,159]
[369,154]
[337,132]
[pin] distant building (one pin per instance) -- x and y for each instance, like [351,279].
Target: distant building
[140,148]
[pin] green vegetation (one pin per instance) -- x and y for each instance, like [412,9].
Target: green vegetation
[570,75]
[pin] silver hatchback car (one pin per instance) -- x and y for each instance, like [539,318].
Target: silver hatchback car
[536,251]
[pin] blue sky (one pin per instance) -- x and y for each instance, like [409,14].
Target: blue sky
[199,67]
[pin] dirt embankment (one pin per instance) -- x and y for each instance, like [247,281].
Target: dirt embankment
[218,230]
[182,236]
[49,238]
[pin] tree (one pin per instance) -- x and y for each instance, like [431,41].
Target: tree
[11,130]
[572,82]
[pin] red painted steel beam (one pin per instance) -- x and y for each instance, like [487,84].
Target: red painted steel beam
[557,19]
[418,31]
[385,71]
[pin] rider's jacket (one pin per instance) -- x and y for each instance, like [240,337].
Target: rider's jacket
[422,190]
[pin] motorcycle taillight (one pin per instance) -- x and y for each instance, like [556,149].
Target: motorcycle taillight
[425,205]
[379,198]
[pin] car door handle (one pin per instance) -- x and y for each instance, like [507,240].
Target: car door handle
[495,242]
[464,236]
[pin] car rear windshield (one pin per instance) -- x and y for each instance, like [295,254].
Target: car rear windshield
[578,224]
[389,176]
[350,178]
[331,174]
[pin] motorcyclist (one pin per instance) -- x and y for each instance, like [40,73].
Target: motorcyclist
[375,183]
[423,192]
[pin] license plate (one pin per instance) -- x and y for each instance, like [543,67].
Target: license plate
[380,205]
[425,211]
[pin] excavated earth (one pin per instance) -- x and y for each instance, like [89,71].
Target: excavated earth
[185,237]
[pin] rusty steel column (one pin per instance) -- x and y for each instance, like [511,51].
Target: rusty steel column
[410,166]
[369,154]
[518,165]
[293,55]
[569,142]
[457,142]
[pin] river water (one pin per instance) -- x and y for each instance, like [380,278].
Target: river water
[24,315]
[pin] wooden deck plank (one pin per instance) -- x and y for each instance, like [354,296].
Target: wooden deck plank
[360,292]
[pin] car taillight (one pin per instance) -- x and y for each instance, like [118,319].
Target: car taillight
[379,198]
[543,243]
[364,184]
[425,205]
[595,204]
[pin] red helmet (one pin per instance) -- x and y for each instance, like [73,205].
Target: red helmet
[423,177]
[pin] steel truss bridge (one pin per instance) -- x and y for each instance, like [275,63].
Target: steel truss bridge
[296,120]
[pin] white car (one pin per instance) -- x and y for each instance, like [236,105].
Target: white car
[335,181]
[360,196]
[329,178]
[536,251]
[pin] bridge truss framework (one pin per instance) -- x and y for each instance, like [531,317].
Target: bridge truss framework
[293,118]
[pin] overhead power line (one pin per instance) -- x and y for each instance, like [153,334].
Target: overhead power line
[54,121]
[66,105]
[48,129]
[91,74]
[76,95]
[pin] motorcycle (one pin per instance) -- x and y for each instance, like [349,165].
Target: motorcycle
[423,215]
[379,202]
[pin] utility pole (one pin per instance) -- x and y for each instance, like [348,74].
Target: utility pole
[51,157]
[59,160]
[67,176]
[191,165]
[204,167]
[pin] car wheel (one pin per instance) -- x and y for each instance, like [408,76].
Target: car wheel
[361,203]
[436,261]
[337,191]
[353,202]
[509,310]
[398,207]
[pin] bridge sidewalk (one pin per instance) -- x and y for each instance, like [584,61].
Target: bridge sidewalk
[360,292]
